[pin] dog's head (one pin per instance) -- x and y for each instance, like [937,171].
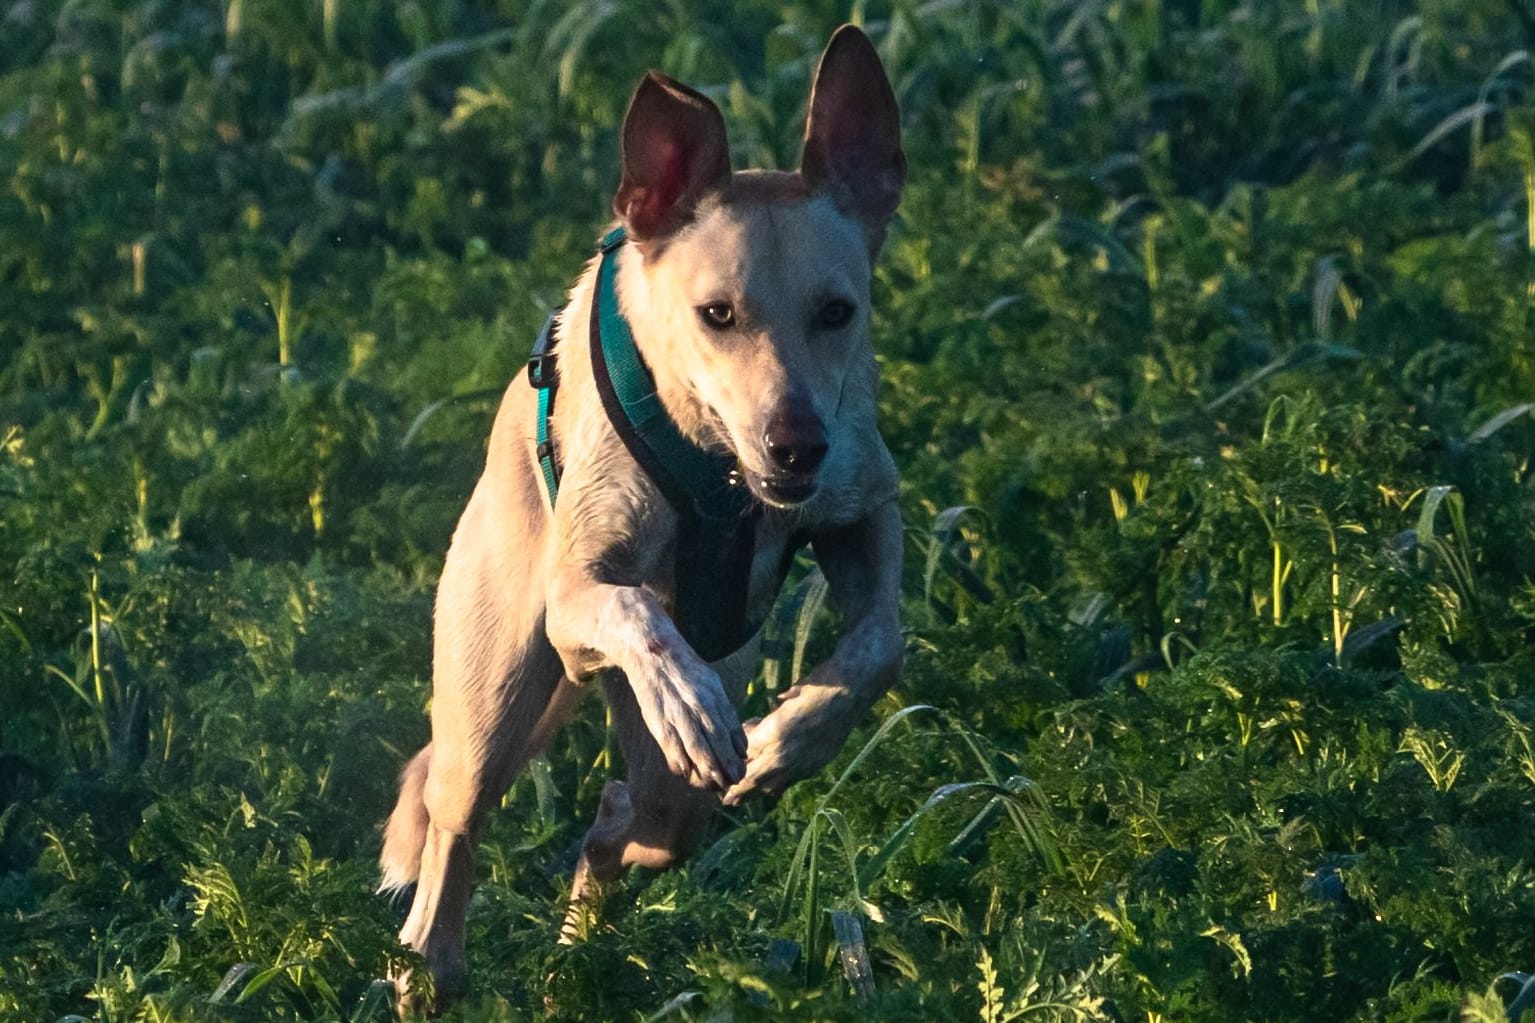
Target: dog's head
[753,289]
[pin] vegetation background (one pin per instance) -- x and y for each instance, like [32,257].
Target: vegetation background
[1208,360]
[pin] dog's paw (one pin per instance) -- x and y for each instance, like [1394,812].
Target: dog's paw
[685,707]
[801,736]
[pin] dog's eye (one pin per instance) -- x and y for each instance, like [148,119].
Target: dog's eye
[717,315]
[835,315]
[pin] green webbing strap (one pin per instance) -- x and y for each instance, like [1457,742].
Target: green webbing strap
[545,448]
[703,478]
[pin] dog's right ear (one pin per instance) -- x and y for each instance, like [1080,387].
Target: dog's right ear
[674,154]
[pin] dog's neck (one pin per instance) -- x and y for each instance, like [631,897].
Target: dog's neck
[652,336]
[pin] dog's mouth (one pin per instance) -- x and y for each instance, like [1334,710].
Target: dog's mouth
[786,491]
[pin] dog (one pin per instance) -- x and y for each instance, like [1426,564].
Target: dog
[744,300]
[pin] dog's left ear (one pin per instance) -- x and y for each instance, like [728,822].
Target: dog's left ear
[674,154]
[853,131]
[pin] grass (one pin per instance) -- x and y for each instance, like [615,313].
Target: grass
[1206,343]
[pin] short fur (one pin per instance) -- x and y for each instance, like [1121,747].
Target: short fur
[536,600]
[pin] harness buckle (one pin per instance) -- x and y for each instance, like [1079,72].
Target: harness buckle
[541,370]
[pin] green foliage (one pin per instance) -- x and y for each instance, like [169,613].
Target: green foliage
[1206,338]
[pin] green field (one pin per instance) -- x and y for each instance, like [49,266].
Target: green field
[1208,341]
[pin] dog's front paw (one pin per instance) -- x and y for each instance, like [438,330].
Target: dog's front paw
[685,707]
[801,736]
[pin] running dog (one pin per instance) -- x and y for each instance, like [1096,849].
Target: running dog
[702,406]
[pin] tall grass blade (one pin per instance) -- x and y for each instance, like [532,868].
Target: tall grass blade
[1465,115]
[233,978]
[848,932]
[677,1005]
[875,865]
[810,910]
[816,591]
[804,850]
[778,633]
[1035,838]
[1323,294]
[377,1003]
[1524,1000]
[839,825]
[1306,353]
[483,394]
[1478,125]
[1499,421]
[1361,639]
[941,541]
[1433,497]
[1068,228]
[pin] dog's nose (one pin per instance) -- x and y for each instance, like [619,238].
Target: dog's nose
[796,442]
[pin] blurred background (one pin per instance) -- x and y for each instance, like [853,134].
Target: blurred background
[1206,334]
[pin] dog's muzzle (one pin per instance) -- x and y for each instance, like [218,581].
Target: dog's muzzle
[796,445]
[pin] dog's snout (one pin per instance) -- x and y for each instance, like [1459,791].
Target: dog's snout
[796,442]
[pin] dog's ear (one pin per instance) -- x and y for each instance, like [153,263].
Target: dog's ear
[674,154]
[853,130]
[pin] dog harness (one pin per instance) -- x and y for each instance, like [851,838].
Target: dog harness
[717,515]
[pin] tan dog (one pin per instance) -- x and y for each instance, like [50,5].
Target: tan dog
[747,295]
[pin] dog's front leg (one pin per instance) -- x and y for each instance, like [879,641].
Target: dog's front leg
[595,624]
[862,565]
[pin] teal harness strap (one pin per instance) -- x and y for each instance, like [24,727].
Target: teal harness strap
[546,446]
[705,479]
[541,376]
[717,516]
